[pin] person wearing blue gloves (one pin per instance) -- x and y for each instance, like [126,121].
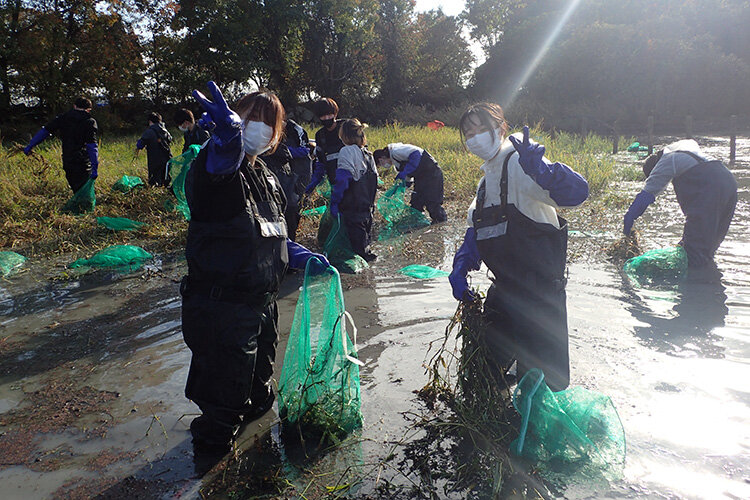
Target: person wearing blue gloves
[515,230]
[237,253]
[77,131]
[353,194]
[158,143]
[416,163]
[327,143]
[706,191]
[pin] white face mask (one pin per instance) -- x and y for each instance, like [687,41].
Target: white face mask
[256,138]
[485,145]
[183,129]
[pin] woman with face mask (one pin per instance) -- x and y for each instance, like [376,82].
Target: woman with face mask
[514,228]
[237,252]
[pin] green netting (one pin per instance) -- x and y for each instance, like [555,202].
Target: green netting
[127,183]
[332,236]
[657,267]
[179,167]
[400,217]
[122,257]
[10,262]
[313,212]
[324,189]
[84,200]
[422,272]
[119,223]
[575,427]
[319,384]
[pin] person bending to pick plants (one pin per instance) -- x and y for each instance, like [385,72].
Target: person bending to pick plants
[77,131]
[706,191]
[515,230]
[237,252]
[414,162]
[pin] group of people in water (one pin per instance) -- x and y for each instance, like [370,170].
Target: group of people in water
[244,188]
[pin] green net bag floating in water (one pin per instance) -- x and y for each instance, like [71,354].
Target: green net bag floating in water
[332,236]
[127,183]
[571,431]
[119,223]
[319,384]
[10,262]
[422,272]
[400,217]
[657,267]
[179,167]
[123,257]
[84,200]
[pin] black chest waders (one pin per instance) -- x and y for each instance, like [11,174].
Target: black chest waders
[358,205]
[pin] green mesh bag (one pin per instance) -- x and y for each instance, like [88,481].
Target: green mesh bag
[179,167]
[127,183]
[319,384]
[10,262]
[119,223]
[84,200]
[662,266]
[324,189]
[332,236]
[314,212]
[422,272]
[400,217]
[571,431]
[121,257]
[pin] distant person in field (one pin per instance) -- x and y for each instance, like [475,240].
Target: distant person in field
[77,131]
[158,143]
[193,132]
[327,143]
[413,162]
[295,138]
[706,191]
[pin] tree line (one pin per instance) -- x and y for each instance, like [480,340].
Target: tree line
[612,61]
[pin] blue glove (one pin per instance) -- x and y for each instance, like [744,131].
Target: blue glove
[319,170]
[206,123]
[299,151]
[467,259]
[224,151]
[38,138]
[401,176]
[299,255]
[639,205]
[334,209]
[139,144]
[343,178]
[529,155]
[93,152]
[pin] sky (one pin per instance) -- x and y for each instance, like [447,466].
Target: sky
[449,7]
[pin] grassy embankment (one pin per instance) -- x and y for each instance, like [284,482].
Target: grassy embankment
[32,189]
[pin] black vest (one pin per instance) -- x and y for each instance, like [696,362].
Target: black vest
[359,197]
[329,143]
[427,167]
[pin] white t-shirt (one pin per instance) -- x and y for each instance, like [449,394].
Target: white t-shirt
[400,152]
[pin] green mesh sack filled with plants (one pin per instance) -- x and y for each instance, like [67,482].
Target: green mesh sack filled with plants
[10,262]
[324,189]
[332,236]
[83,201]
[121,257]
[314,212]
[571,431]
[119,223]
[400,217]
[422,272]
[657,267]
[127,183]
[319,390]
[179,167]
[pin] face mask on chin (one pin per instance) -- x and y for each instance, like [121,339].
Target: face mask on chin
[183,129]
[327,123]
[256,138]
[485,145]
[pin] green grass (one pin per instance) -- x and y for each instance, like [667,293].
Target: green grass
[32,189]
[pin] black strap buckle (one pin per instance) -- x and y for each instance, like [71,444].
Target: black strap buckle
[215,293]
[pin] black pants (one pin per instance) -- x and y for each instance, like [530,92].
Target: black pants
[157,173]
[428,193]
[77,174]
[359,228]
[234,350]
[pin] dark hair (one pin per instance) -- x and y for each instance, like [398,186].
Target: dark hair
[264,106]
[325,106]
[82,103]
[490,115]
[378,154]
[183,115]
[352,131]
[154,117]
[651,162]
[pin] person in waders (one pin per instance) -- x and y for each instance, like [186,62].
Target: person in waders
[416,163]
[327,143]
[193,133]
[515,230]
[706,191]
[77,131]
[353,194]
[158,143]
[280,163]
[237,252]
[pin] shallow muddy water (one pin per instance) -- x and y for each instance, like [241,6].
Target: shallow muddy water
[92,371]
